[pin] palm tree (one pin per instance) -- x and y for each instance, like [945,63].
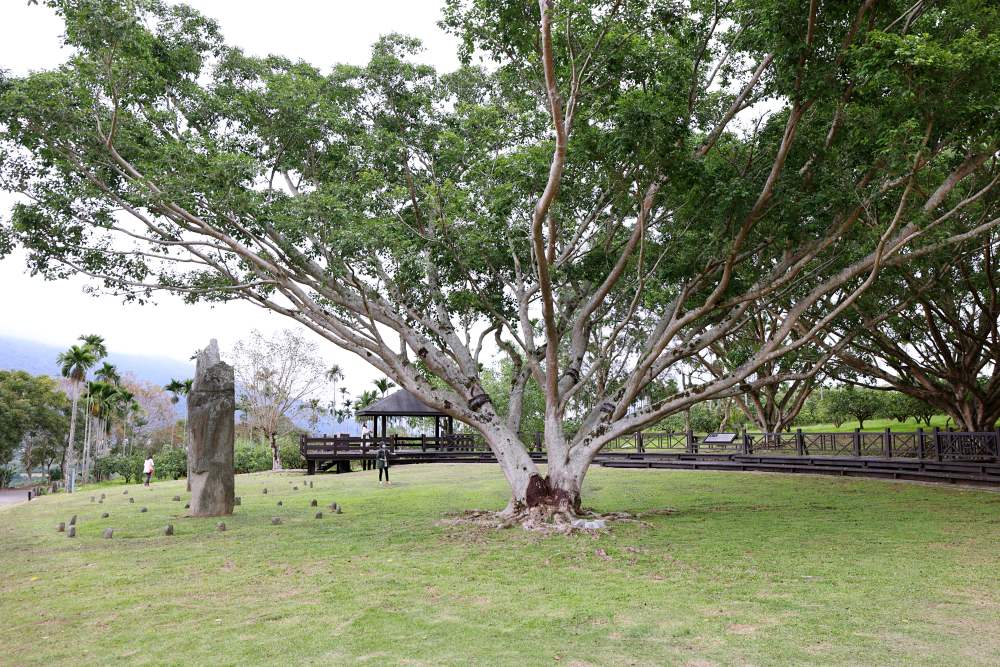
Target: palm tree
[345,408]
[384,385]
[96,345]
[335,374]
[178,389]
[366,398]
[73,365]
[108,373]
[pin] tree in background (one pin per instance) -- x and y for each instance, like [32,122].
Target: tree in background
[903,407]
[177,388]
[152,413]
[939,341]
[345,405]
[861,404]
[74,364]
[275,378]
[384,385]
[334,375]
[34,417]
[771,406]
[101,402]
[608,199]
[367,398]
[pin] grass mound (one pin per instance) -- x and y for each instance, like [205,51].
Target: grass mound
[720,568]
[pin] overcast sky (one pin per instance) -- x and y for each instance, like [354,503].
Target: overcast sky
[322,32]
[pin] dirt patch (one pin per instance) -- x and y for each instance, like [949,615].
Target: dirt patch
[741,629]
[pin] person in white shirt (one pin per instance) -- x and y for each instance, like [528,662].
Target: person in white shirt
[147,469]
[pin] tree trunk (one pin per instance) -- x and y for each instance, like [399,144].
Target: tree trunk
[69,462]
[275,453]
[558,493]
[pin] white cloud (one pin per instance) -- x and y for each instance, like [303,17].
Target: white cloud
[322,32]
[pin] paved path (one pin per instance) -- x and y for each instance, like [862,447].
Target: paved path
[11,496]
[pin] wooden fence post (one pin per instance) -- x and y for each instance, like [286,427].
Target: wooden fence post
[800,443]
[887,444]
[746,443]
[857,442]
[689,440]
[538,441]
[920,443]
[996,444]
[639,446]
[937,443]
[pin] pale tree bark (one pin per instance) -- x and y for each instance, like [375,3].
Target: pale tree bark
[69,462]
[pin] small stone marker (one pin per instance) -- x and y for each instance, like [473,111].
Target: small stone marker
[169,530]
[280,503]
[313,503]
[131,501]
[72,521]
[125,492]
[109,533]
[177,498]
[295,488]
[187,505]
[310,485]
[93,499]
[221,527]
[105,515]
[144,509]
[102,496]
[339,511]
[265,490]
[71,532]
[61,528]
[237,501]
[319,515]
[275,520]
[333,507]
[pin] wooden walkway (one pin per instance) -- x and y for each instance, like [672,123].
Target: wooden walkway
[939,457]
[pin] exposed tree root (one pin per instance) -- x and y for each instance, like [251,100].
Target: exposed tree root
[544,519]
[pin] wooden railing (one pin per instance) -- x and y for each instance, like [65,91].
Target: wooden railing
[935,444]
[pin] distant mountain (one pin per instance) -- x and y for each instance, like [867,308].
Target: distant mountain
[40,359]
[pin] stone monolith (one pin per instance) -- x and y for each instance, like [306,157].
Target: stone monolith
[211,409]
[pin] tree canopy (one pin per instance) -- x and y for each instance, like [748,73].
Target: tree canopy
[614,189]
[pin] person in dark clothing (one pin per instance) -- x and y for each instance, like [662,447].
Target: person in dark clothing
[382,463]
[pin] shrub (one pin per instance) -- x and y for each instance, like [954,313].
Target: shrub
[129,468]
[105,467]
[290,455]
[55,474]
[171,463]
[251,457]
[6,476]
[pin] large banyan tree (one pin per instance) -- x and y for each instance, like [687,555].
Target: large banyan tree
[603,192]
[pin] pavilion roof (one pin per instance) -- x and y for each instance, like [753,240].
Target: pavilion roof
[400,403]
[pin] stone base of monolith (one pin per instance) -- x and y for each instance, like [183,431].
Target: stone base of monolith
[211,408]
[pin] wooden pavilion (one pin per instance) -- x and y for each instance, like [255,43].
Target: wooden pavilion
[402,403]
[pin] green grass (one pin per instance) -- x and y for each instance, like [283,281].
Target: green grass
[908,426]
[749,569]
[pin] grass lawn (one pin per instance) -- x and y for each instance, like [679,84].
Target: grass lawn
[748,569]
[908,426]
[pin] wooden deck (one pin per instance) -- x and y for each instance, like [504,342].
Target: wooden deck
[976,467]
